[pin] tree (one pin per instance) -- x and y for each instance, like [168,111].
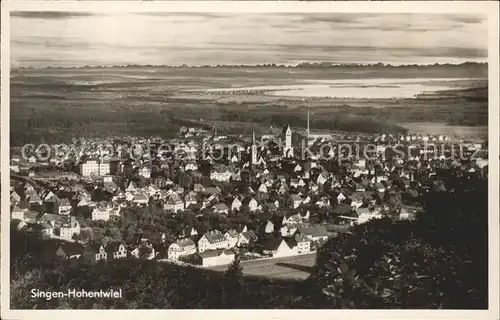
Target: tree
[437,261]
[145,252]
[233,283]
[235,270]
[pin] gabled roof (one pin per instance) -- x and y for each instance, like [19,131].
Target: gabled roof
[250,234]
[233,233]
[64,202]
[17,209]
[71,248]
[271,243]
[212,190]
[221,206]
[317,231]
[51,217]
[214,253]
[215,236]
[186,242]
[174,199]
[113,246]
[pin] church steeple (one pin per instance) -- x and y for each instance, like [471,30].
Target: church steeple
[287,148]
[254,149]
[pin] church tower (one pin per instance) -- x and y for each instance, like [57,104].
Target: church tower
[287,148]
[254,149]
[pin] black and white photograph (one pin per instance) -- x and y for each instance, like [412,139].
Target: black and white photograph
[284,157]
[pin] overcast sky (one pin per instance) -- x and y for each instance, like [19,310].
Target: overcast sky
[76,39]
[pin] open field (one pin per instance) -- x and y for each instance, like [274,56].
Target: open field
[296,267]
[53,104]
[440,129]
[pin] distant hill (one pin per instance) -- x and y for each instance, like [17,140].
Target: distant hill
[301,65]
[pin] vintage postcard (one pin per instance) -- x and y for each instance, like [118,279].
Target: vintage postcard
[320,157]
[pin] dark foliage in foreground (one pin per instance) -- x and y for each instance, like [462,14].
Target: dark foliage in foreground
[437,261]
[147,284]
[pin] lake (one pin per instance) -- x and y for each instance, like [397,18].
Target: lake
[352,88]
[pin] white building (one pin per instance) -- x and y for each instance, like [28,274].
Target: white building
[64,207]
[365,215]
[116,250]
[145,172]
[212,240]
[182,247]
[214,258]
[278,248]
[303,244]
[269,227]
[174,204]
[236,204]
[94,167]
[89,167]
[69,229]
[232,237]
[104,168]
[100,213]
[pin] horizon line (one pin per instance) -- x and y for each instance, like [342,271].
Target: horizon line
[299,65]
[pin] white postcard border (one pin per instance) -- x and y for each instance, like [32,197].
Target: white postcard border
[487,7]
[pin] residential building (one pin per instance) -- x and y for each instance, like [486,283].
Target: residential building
[232,237]
[69,250]
[64,207]
[116,250]
[69,229]
[367,214]
[95,167]
[276,247]
[145,172]
[212,240]
[95,253]
[303,243]
[180,248]
[269,227]
[236,204]
[246,237]
[317,233]
[214,258]
[100,213]
[173,204]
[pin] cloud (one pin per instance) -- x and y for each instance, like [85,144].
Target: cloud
[207,15]
[466,19]
[49,14]
[219,38]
